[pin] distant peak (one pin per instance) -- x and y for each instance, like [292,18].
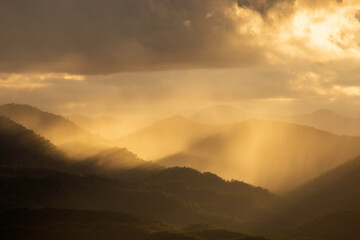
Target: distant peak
[16,105]
[324,112]
[177,118]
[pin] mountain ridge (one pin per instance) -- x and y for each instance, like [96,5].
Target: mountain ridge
[54,127]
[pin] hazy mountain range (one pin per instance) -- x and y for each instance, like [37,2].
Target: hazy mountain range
[321,119]
[245,150]
[34,178]
[54,127]
[108,127]
[44,193]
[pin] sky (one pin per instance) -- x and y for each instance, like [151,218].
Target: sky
[162,57]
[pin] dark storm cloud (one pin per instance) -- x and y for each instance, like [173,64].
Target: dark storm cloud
[285,7]
[357,15]
[262,6]
[93,36]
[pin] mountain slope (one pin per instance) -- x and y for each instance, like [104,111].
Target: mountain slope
[51,223]
[328,121]
[335,226]
[54,127]
[335,191]
[275,155]
[117,163]
[178,196]
[108,127]
[225,204]
[247,150]
[165,137]
[20,147]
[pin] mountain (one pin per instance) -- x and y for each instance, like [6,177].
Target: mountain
[35,174]
[326,207]
[328,121]
[322,119]
[335,191]
[165,137]
[118,163]
[20,147]
[108,127]
[247,150]
[178,202]
[54,127]
[219,115]
[79,150]
[334,226]
[52,223]
[184,159]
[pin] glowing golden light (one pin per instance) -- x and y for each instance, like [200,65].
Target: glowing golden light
[333,32]
[18,81]
[74,77]
[350,91]
[315,34]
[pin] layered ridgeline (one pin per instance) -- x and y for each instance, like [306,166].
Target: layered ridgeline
[334,226]
[61,224]
[72,139]
[108,127]
[21,147]
[275,155]
[37,176]
[322,119]
[328,121]
[326,208]
[335,191]
[166,137]
[53,127]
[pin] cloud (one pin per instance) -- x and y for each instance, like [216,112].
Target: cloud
[100,37]
[72,54]
[263,6]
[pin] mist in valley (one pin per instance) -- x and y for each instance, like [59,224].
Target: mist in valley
[180,119]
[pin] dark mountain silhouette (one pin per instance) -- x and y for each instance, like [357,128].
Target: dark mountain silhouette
[50,223]
[24,148]
[40,176]
[227,204]
[184,159]
[332,192]
[246,150]
[334,226]
[219,115]
[54,127]
[219,196]
[35,174]
[324,208]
